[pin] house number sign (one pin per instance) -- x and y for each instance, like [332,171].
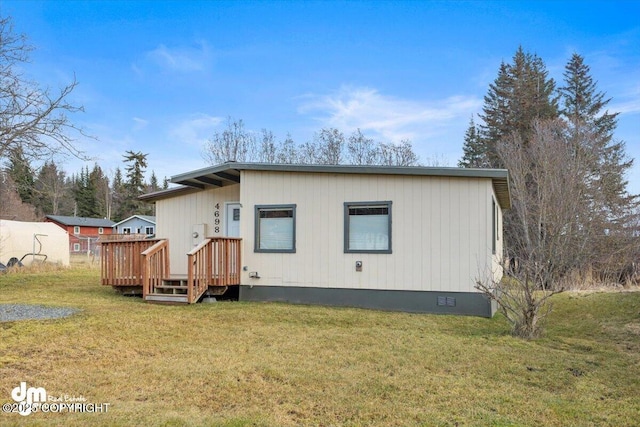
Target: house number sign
[216,219]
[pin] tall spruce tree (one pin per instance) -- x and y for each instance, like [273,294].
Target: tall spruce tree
[85,195]
[21,174]
[53,194]
[474,151]
[118,198]
[592,130]
[522,93]
[134,185]
[100,183]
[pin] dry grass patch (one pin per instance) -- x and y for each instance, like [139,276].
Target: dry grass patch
[237,364]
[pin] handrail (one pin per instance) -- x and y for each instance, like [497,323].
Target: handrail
[199,270]
[214,262]
[155,263]
[121,262]
[226,261]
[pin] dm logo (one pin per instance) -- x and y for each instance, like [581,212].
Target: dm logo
[27,397]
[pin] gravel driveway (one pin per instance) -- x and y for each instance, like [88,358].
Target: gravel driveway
[12,312]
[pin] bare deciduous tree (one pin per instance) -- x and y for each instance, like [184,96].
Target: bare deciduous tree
[32,118]
[330,142]
[268,147]
[287,152]
[398,154]
[309,153]
[554,230]
[12,207]
[362,150]
[232,144]
[328,147]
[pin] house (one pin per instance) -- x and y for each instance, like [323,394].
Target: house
[83,232]
[397,238]
[136,224]
[29,242]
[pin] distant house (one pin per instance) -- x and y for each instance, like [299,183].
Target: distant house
[83,232]
[136,224]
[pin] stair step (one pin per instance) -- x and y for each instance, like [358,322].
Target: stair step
[175,298]
[171,286]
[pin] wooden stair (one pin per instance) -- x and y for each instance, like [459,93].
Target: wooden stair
[172,291]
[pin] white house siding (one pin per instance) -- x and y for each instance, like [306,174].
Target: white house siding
[177,216]
[497,259]
[441,231]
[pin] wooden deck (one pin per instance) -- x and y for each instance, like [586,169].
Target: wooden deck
[213,265]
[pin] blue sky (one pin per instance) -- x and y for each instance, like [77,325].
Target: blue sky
[161,77]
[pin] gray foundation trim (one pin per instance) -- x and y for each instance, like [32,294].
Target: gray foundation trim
[466,303]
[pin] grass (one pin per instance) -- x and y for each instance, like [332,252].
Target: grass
[264,364]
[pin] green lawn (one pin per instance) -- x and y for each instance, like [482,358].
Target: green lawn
[236,364]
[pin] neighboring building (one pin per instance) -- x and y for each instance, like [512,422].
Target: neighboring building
[398,238]
[136,224]
[30,242]
[83,232]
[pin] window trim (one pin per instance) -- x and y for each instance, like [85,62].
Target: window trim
[126,230]
[100,230]
[77,247]
[149,227]
[256,228]
[76,229]
[347,205]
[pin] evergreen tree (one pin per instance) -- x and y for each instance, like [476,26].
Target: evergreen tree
[583,108]
[134,185]
[153,182]
[22,175]
[52,192]
[521,93]
[100,183]
[118,196]
[85,195]
[474,151]
[591,129]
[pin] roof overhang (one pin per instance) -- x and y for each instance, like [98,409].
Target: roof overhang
[229,174]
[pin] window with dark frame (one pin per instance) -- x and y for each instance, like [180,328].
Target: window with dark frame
[275,228]
[367,227]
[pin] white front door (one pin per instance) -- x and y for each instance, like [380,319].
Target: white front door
[232,220]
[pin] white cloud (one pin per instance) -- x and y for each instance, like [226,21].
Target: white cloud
[180,59]
[391,118]
[139,123]
[195,130]
[628,102]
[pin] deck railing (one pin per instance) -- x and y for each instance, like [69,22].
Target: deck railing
[214,262]
[121,261]
[155,267]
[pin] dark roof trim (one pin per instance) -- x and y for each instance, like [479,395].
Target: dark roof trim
[229,173]
[168,193]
